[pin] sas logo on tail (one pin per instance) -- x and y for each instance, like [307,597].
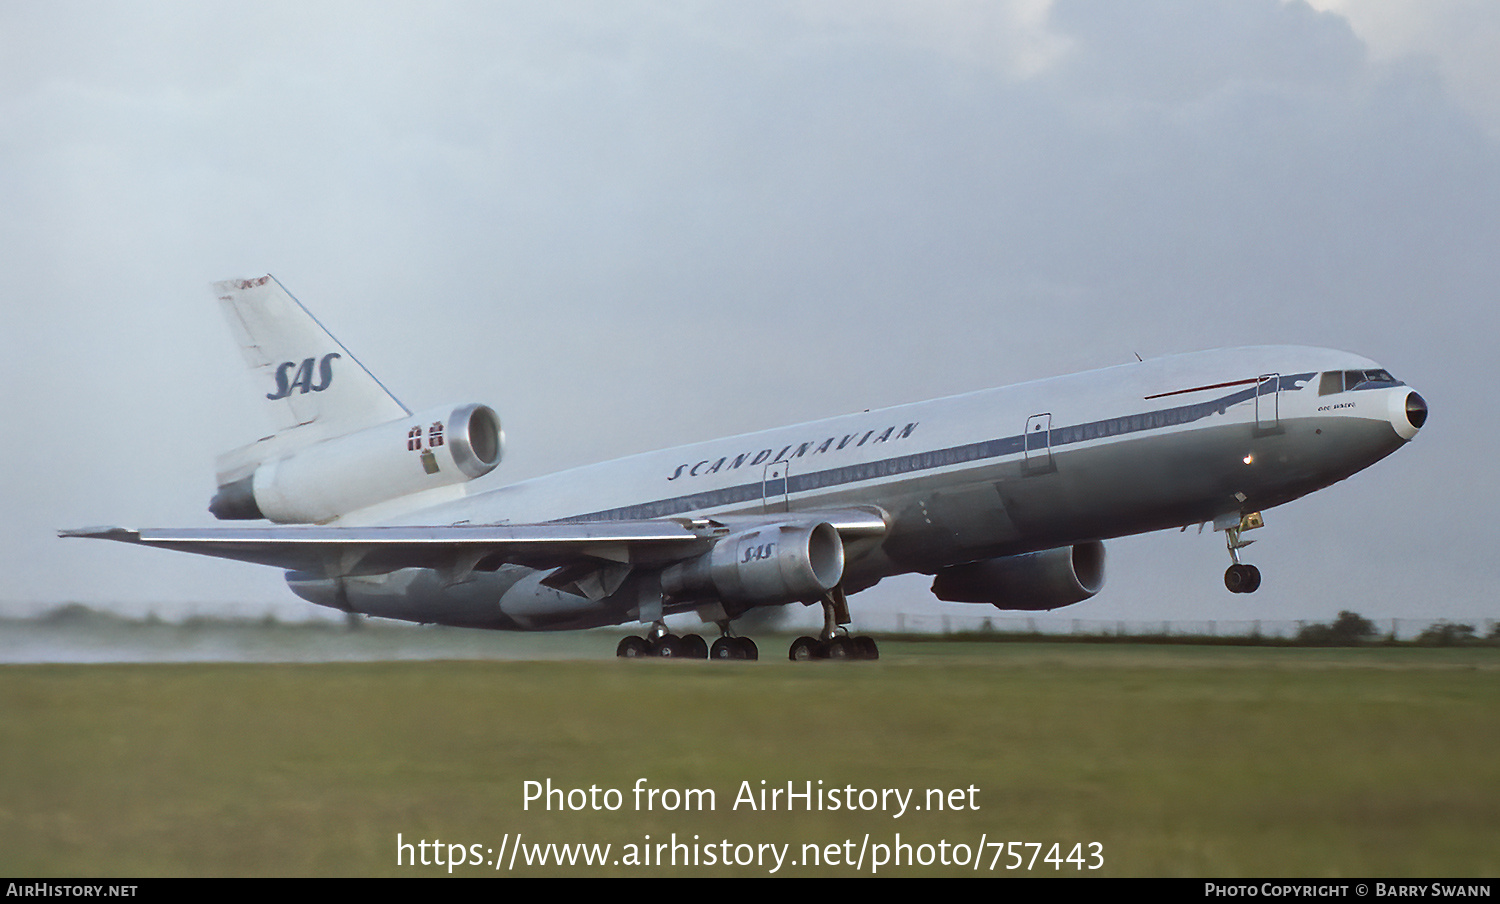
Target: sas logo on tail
[303,379]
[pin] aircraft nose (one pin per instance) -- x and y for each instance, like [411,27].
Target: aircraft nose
[1409,415]
[1416,410]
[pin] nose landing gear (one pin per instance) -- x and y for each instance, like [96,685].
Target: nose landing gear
[1240,577]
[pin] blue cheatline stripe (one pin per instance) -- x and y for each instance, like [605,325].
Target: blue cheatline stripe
[939,458]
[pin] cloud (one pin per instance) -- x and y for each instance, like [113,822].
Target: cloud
[1012,38]
[1457,37]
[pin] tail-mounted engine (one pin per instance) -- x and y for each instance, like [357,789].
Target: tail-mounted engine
[436,448]
[1035,580]
[780,563]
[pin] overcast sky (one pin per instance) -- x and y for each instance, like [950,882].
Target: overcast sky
[633,225]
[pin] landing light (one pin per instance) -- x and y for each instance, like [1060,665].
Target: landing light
[1248,459]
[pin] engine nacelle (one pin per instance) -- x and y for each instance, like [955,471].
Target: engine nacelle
[436,448]
[779,563]
[1034,580]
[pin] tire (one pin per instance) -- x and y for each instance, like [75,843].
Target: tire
[667,646]
[633,647]
[841,648]
[805,649]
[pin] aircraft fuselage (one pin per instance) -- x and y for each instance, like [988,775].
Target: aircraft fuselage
[1163,443]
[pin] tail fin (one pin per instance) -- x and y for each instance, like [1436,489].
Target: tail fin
[343,444]
[311,385]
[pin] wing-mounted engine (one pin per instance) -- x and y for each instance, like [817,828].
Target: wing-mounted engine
[1036,580]
[437,448]
[777,563]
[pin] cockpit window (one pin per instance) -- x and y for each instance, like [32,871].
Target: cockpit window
[1348,380]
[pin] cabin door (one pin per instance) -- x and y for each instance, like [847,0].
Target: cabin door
[774,487]
[1268,404]
[1038,441]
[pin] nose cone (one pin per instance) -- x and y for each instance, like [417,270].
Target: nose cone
[1409,414]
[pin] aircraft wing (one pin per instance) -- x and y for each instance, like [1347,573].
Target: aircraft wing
[459,549]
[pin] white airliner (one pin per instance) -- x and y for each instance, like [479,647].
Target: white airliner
[1002,495]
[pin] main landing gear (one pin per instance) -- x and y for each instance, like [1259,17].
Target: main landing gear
[835,642]
[663,644]
[1241,578]
[843,646]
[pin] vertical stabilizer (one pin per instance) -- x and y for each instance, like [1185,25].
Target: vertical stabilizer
[308,382]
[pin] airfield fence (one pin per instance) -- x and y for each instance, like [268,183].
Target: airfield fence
[1050,625]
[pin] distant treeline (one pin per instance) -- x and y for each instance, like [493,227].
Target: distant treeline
[80,615]
[1349,629]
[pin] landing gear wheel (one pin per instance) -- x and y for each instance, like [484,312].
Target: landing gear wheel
[1242,578]
[667,646]
[805,649]
[633,647]
[734,648]
[693,647]
[842,648]
[866,648]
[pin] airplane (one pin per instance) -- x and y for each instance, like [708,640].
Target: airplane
[1004,496]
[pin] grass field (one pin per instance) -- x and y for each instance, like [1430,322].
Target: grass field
[1176,761]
